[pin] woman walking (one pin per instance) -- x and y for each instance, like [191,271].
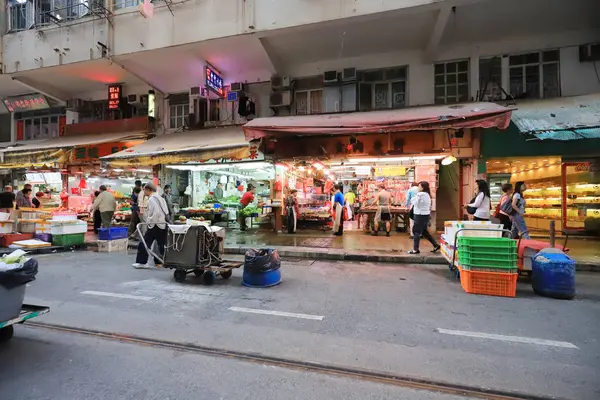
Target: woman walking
[292,211]
[421,203]
[518,218]
[481,204]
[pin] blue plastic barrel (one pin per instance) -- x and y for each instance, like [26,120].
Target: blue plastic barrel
[261,279]
[553,274]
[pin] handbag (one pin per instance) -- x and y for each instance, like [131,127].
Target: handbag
[507,207]
[471,210]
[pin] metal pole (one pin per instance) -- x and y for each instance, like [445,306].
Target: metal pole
[552,233]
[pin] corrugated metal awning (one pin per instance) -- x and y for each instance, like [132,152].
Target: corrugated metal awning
[563,118]
[457,116]
[193,146]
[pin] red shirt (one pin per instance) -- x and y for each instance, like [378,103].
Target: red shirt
[247,198]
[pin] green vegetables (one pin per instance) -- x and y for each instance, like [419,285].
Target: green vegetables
[248,211]
[232,199]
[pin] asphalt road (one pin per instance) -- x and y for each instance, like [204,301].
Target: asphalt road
[409,320]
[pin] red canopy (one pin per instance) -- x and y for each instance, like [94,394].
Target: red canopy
[458,116]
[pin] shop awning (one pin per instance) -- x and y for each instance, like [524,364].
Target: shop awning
[563,118]
[457,116]
[193,146]
[58,150]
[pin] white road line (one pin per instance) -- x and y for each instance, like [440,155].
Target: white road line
[517,339]
[277,313]
[118,295]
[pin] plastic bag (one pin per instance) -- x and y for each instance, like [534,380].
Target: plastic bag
[19,276]
[262,260]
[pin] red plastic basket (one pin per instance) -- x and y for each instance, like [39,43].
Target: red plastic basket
[489,283]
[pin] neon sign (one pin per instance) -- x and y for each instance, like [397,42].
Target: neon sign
[26,102]
[214,81]
[114,97]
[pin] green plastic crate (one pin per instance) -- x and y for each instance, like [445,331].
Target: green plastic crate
[490,269]
[71,239]
[487,262]
[501,242]
[506,256]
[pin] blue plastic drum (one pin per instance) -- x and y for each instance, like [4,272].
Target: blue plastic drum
[261,279]
[553,274]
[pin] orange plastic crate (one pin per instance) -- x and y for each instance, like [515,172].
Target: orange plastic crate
[489,283]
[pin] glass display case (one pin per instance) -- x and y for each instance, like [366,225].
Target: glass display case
[314,207]
[581,205]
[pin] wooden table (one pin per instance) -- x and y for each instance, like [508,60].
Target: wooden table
[398,213]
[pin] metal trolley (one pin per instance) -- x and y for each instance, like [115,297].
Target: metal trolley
[197,250]
[27,312]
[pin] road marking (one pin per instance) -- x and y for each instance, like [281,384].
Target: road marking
[118,295]
[277,313]
[518,339]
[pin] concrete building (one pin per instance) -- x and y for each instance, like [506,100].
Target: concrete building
[382,54]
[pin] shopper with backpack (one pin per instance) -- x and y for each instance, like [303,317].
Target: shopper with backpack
[516,209]
[507,190]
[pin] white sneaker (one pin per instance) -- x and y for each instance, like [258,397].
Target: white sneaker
[140,266]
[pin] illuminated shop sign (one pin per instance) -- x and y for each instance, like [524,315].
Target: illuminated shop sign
[214,81]
[26,102]
[114,97]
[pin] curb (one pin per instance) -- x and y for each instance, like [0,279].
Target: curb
[340,255]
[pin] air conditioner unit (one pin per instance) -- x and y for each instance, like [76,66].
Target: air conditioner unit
[349,75]
[280,99]
[75,104]
[589,52]
[236,87]
[330,77]
[280,82]
[133,99]
[195,91]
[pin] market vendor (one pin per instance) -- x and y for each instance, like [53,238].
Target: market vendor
[338,209]
[168,199]
[245,201]
[106,204]
[384,202]
[7,199]
[292,210]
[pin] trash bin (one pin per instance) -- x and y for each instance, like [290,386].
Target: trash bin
[553,274]
[11,301]
[13,281]
[261,268]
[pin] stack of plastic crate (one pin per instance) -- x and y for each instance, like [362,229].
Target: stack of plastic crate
[488,265]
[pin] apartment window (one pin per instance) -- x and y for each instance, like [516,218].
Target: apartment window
[178,114]
[535,75]
[382,89]
[125,4]
[56,11]
[309,102]
[490,79]
[452,82]
[39,127]
[20,16]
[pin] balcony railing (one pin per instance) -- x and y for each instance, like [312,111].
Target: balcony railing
[29,14]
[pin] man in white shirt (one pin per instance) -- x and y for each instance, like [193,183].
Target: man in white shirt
[156,216]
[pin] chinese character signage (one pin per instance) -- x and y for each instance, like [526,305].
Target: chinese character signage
[214,81]
[114,97]
[26,102]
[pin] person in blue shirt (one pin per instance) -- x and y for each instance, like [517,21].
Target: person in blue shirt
[338,211]
[414,189]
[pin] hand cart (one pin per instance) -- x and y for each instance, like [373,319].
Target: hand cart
[192,250]
[27,312]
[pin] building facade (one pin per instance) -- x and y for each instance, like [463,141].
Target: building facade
[337,56]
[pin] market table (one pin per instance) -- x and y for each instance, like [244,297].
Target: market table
[398,213]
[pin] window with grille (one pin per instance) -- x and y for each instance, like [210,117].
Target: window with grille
[452,82]
[382,89]
[535,75]
[490,79]
[308,102]
[39,127]
[177,115]
[20,16]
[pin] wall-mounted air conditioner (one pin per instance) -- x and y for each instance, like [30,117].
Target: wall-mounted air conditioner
[280,99]
[133,99]
[75,104]
[195,91]
[349,75]
[280,82]
[589,52]
[236,87]
[330,77]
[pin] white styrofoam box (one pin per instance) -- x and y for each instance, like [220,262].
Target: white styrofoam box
[4,216]
[64,217]
[111,246]
[528,254]
[59,227]
[28,215]
[26,227]
[6,226]
[452,227]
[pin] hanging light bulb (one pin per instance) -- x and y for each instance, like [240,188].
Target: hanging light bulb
[448,160]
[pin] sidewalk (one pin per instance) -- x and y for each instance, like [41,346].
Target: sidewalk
[357,246]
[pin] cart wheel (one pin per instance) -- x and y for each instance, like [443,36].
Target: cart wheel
[179,275]
[198,272]
[6,333]
[226,274]
[208,278]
